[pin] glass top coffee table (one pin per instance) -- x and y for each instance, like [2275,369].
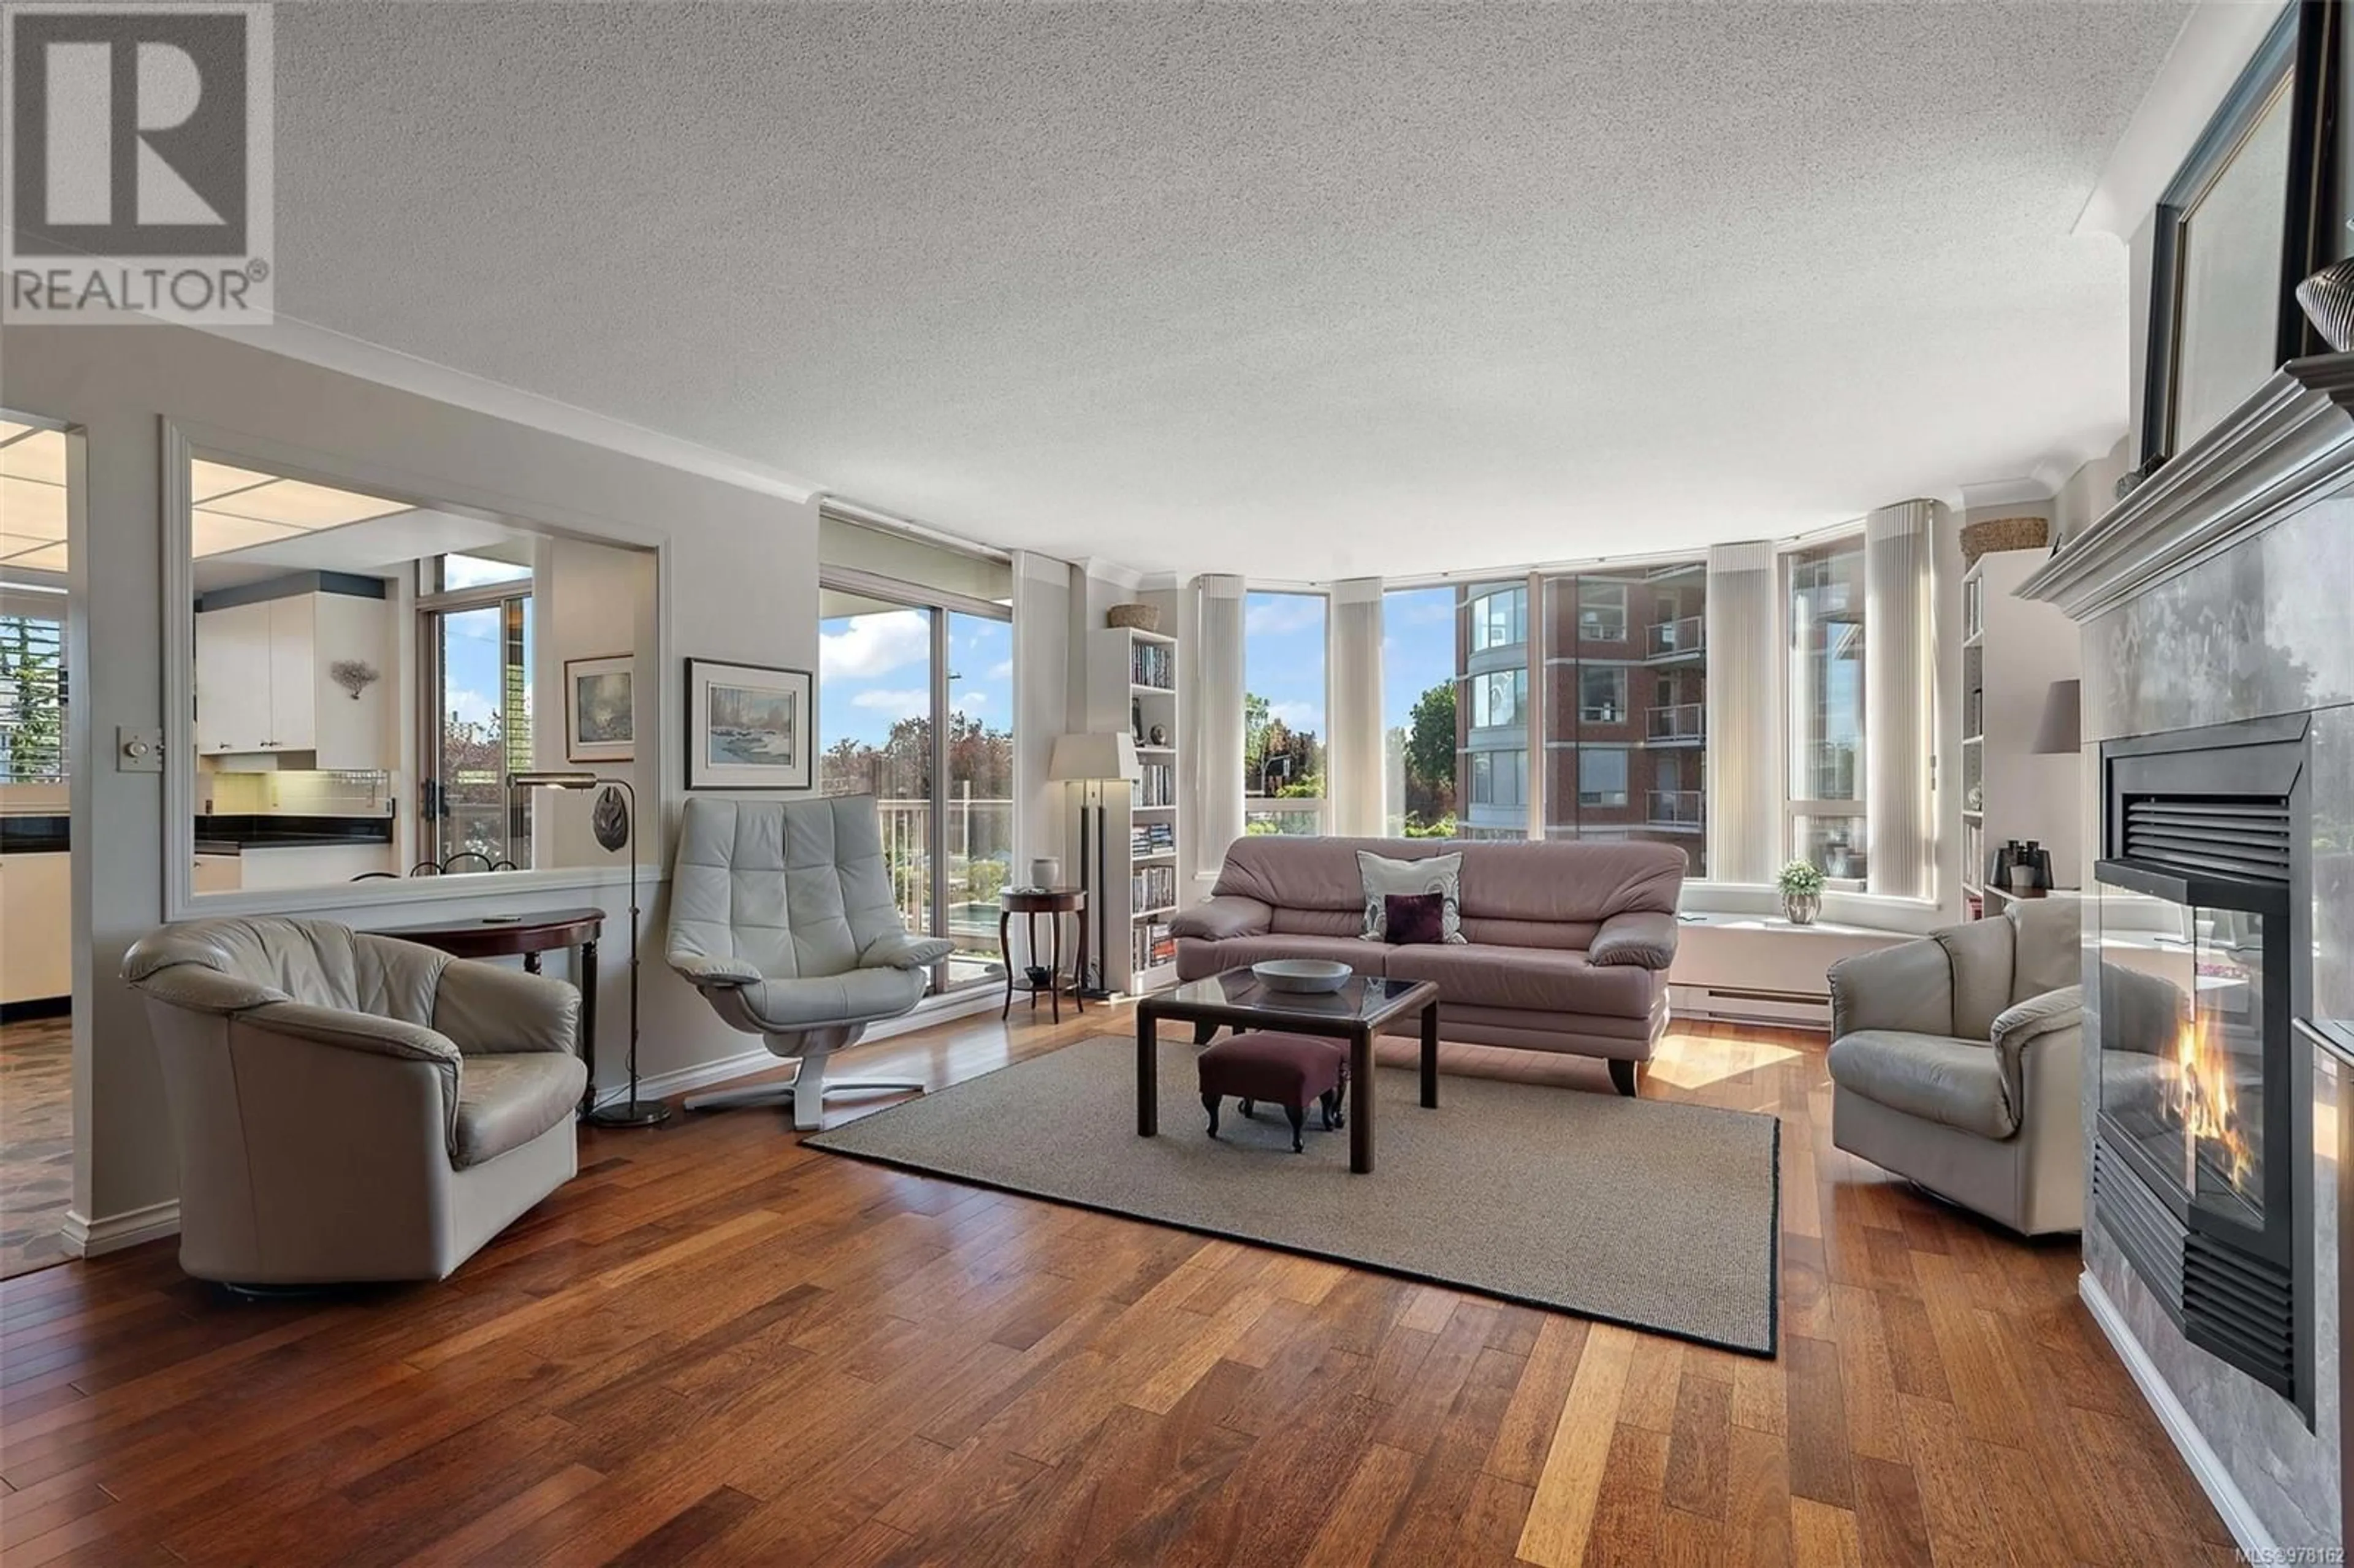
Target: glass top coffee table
[1356,1012]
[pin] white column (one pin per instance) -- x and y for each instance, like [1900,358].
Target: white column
[1217,720]
[1354,764]
[1899,697]
[1745,732]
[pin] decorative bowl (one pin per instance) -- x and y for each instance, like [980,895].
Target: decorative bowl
[1302,974]
[1141,617]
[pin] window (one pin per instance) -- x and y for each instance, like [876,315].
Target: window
[1499,697]
[1498,778]
[1825,698]
[1499,620]
[477,648]
[32,699]
[1601,694]
[1624,704]
[1601,776]
[1283,712]
[1602,612]
[479,571]
[1418,691]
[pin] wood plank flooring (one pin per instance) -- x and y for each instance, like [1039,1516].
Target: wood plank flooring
[715,1347]
[36,1141]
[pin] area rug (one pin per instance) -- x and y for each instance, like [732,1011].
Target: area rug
[1657,1216]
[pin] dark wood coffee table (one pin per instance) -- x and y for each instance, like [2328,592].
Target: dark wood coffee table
[1236,998]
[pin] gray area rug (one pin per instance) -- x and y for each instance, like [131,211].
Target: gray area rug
[1652,1215]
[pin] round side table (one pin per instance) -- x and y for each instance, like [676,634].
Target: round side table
[1053,902]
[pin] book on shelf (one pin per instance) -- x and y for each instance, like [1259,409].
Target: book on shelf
[1157,785]
[1153,664]
[1152,946]
[1151,838]
[1152,888]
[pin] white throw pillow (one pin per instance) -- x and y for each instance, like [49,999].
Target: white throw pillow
[1441,874]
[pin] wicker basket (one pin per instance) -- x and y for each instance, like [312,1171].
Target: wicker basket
[1141,617]
[2004,534]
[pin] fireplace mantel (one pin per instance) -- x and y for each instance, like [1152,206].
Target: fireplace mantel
[2284,446]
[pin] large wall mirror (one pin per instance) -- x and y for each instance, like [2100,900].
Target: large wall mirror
[371,671]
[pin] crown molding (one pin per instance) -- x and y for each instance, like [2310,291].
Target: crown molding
[2217,40]
[1126,577]
[332,350]
[2024,490]
[2289,443]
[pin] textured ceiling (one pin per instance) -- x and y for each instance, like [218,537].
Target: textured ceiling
[1299,289]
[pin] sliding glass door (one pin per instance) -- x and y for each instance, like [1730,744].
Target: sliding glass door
[916,709]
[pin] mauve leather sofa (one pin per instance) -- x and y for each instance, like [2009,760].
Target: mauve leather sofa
[1566,944]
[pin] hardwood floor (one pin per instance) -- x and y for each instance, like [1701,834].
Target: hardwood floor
[715,1347]
[36,1141]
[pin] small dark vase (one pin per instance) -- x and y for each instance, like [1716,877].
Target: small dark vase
[2329,299]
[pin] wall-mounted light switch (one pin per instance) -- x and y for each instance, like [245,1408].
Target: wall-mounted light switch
[138,750]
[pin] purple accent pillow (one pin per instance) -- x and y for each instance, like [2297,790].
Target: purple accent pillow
[1409,919]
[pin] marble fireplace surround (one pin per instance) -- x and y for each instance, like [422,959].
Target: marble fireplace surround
[2222,589]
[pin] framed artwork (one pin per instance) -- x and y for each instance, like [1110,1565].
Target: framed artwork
[600,709]
[749,726]
[2248,217]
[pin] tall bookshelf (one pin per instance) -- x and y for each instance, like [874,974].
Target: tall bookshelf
[1132,686]
[2013,650]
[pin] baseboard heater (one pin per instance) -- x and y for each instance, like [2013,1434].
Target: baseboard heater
[1733,1004]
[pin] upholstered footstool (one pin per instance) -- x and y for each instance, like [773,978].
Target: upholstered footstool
[1289,1070]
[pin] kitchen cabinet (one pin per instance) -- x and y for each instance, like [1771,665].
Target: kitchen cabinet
[263,687]
[35,926]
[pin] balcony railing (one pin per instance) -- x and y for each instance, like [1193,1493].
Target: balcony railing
[1679,807]
[1294,814]
[980,863]
[1679,721]
[1677,639]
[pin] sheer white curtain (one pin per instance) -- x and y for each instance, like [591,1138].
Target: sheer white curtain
[1899,697]
[1744,738]
[1354,764]
[1217,709]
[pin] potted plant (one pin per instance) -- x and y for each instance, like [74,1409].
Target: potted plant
[1802,892]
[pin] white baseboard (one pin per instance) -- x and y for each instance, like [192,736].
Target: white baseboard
[113,1233]
[703,1074]
[2256,1544]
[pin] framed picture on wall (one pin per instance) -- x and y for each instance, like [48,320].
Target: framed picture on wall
[749,726]
[600,709]
[2249,216]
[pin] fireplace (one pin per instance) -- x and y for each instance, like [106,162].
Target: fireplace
[2203,1147]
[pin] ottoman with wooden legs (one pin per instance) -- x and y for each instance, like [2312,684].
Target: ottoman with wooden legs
[1289,1070]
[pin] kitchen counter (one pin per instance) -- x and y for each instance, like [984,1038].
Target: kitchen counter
[46,834]
[233,832]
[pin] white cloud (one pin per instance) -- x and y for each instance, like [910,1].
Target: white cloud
[873,645]
[473,707]
[1001,670]
[968,700]
[898,703]
[1279,613]
[1298,715]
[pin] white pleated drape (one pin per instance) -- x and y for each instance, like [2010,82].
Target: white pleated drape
[1745,741]
[1899,697]
[1217,710]
[1354,765]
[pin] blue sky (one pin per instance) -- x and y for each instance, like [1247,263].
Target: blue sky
[1417,649]
[874,670]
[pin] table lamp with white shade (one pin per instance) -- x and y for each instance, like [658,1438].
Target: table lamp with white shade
[1091,760]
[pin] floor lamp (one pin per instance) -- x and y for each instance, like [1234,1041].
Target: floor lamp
[1092,760]
[634,1111]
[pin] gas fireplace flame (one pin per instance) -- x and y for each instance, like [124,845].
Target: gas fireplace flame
[2202,1095]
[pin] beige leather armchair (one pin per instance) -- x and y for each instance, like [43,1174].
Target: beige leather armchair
[1957,1061]
[348,1106]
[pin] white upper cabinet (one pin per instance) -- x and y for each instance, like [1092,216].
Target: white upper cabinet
[263,686]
